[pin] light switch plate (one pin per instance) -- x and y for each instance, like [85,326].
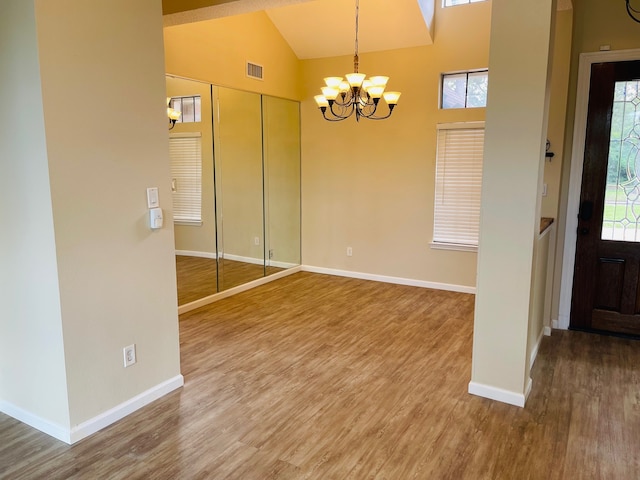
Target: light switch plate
[153,200]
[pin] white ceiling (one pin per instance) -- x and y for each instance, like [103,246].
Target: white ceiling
[326,28]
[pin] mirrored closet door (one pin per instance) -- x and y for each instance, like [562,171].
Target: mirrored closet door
[235,160]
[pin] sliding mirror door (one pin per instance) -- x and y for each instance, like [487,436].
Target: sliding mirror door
[235,169]
[192,185]
[281,146]
[239,186]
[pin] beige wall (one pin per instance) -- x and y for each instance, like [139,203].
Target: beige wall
[557,111]
[198,238]
[32,369]
[281,140]
[104,97]
[217,50]
[370,185]
[238,151]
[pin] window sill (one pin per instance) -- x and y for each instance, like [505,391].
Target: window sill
[189,223]
[453,246]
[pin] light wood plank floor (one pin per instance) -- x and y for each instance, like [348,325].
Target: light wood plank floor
[197,278]
[318,377]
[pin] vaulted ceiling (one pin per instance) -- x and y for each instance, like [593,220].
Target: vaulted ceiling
[326,28]
[323,28]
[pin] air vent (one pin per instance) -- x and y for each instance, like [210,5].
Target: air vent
[254,71]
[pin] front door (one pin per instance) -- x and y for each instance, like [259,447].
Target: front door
[606,283]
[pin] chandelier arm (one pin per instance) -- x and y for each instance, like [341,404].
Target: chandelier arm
[631,11]
[391,107]
[347,106]
[331,119]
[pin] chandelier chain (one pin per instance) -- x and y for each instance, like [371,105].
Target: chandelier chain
[356,60]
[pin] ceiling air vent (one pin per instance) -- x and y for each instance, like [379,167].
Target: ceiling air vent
[254,71]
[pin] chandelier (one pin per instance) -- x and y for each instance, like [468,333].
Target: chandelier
[357,94]
[634,13]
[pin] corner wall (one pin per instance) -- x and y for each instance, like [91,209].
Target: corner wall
[104,99]
[32,359]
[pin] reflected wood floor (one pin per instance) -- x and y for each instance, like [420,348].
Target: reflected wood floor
[318,377]
[196,276]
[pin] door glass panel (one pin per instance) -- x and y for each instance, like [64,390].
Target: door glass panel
[621,218]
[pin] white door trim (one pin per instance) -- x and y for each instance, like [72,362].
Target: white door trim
[575,176]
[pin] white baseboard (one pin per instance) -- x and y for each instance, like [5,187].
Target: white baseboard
[118,412]
[547,331]
[187,307]
[387,279]
[97,423]
[278,264]
[52,429]
[193,253]
[499,394]
[562,323]
[536,347]
[239,258]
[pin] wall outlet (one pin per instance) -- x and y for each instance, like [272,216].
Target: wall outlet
[349,251]
[271,253]
[129,355]
[256,240]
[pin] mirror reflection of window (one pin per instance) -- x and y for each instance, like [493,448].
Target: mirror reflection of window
[189,106]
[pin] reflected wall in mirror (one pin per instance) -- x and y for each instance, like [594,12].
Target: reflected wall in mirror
[281,127]
[239,186]
[246,148]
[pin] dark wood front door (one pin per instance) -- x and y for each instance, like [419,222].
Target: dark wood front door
[606,283]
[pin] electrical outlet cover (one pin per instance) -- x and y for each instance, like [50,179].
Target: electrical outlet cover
[129,355]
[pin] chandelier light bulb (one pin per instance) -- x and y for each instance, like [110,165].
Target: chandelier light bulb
[333,82]
[391,97]
[330,93]
[379,80]
[321,101]
[375,91]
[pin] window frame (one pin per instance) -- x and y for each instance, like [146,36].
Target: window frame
[450,245]
[467,2]
[197,107]
[461,72]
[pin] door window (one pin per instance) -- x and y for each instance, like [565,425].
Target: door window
[621,217]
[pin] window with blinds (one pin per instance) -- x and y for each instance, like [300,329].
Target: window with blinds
[458,185]
[185,151]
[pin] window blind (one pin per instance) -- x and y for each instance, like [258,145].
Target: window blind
[185,152]
[458,184]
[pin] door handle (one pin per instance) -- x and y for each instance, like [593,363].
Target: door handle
[586,210]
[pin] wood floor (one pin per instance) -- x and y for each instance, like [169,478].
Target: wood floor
[318,377]
[197,277]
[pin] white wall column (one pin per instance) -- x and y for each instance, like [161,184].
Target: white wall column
[516,126]
[81,273]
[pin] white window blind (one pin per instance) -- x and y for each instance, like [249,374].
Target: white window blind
[185,151]
[458,185]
